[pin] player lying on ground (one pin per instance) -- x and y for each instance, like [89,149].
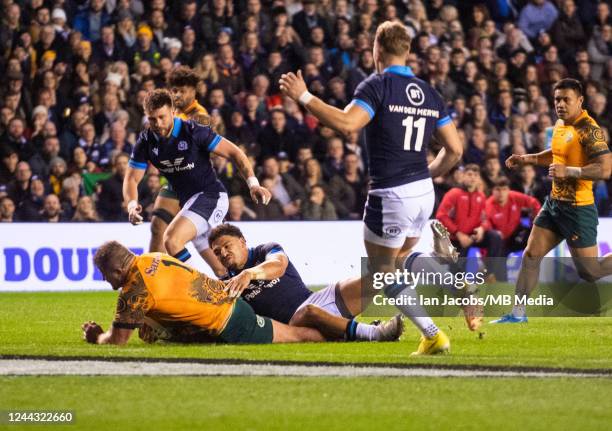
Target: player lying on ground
[158,287]
[181,151]
[183,83]
[578,156]
[400,113]
[265,278]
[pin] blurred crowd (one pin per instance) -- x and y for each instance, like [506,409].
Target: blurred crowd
[75,74]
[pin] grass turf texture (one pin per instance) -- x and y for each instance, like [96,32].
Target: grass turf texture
[48,324]
[228,403]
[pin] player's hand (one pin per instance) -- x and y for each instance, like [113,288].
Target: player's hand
[91,331]
[292,85]
[478,234]
[514,161]
[236,285]
[556,170]
[260,194]
[464,240]
[134,215]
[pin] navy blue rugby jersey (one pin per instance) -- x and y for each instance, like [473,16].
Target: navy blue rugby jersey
[405,111]
[279,298]
[183,158]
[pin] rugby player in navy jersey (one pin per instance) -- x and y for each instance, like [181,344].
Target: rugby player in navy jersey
[181,151]
[267,280]
[400,113]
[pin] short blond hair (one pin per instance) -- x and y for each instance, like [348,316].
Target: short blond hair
[112,255]
[393,38]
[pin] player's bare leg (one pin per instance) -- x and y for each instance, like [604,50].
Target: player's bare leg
[294,334]
[590,267]
[164,211]
[540,242]
[336,328]
[179,233]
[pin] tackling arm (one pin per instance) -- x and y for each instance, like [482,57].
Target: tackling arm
[273,267]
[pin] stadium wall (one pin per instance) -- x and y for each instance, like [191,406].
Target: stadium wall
[41,257]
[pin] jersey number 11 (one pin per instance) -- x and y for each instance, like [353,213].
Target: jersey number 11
[410,124]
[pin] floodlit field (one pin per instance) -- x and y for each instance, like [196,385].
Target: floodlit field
[48,325]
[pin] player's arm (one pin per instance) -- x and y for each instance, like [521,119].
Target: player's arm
[273,267]
[597,152]
[94,334]
[543,158]
[132,178]
[353,118]
[451,152]
[230,151]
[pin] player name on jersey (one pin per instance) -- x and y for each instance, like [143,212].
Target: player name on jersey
[423,112]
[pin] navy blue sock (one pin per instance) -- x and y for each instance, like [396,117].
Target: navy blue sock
[183,255]
[351,331]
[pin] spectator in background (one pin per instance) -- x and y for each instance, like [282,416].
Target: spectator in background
[8,168]
[333,162]
[492,172]
[7,210]
[462,211]
[18,189]
[528,183]
[504,209]
[537,16]
[274,210]
[317,206]
[313,176]
[90,21]
[86,210]
[283,187]
[110,194]
[52,210]
[349,204]
[238,211]
[30,208]
[69,196]
[567,32]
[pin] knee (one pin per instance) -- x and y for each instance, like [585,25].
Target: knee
[311,313]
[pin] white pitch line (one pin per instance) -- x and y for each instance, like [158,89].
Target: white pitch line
[37,367]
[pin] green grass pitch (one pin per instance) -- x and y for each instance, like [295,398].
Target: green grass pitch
[48,324]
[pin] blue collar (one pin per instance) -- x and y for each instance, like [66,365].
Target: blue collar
[176,127]
[400,70]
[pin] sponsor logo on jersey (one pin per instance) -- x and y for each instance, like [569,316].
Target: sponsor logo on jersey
[156,151]
[415,94]
[153,268]
[182,145]
[175,165]
[217,216]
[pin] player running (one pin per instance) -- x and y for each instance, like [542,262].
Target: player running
[578,156]
[181,151]
[183,83]
[158,286]
[401,113]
